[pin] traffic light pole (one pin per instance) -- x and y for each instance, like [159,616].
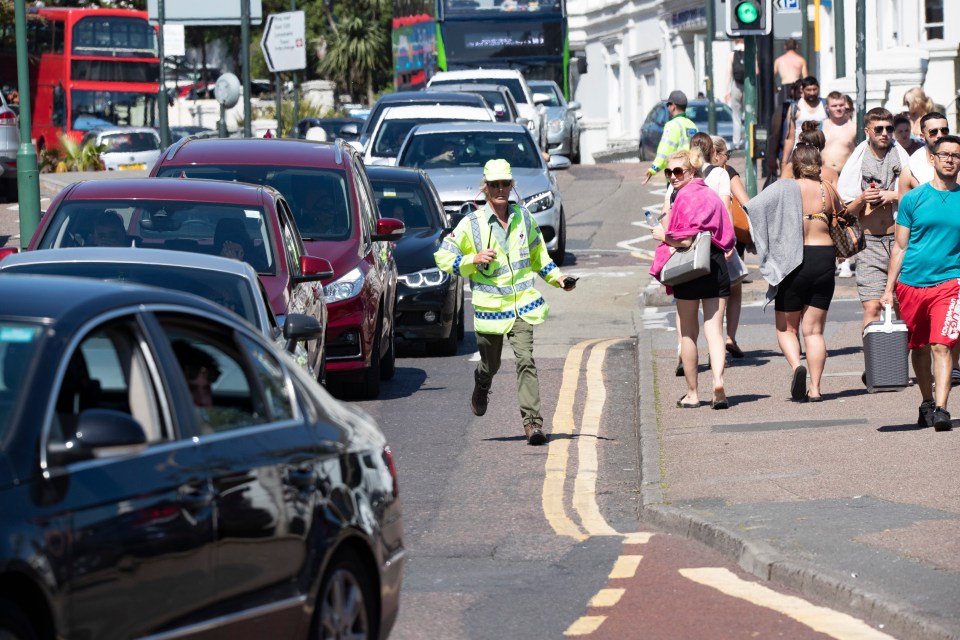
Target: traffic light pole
[749,111]
[28,175]
[711,29]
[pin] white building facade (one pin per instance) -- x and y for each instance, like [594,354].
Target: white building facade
[638,51]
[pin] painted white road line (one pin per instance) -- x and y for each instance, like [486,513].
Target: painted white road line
[832,623]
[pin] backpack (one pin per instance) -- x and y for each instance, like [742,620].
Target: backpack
[739,71]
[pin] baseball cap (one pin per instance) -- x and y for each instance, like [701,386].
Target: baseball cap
[497,169]
[678,98]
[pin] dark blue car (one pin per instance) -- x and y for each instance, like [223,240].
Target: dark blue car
[652,129]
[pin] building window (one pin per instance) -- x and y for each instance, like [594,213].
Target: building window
[933,19]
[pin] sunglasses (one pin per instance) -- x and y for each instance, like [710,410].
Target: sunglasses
[942,131]
[499,184]
[880,129]
[676,171]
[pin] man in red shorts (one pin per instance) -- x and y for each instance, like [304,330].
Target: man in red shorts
[925,269]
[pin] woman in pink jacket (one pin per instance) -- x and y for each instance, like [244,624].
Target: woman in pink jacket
[697,208]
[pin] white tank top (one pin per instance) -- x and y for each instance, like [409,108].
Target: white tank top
[803,114]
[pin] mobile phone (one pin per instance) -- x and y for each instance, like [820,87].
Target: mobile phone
[568,283]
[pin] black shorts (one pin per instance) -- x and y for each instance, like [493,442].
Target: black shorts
[715,284]
[811,284]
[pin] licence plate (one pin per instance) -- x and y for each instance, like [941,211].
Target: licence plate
[133,166]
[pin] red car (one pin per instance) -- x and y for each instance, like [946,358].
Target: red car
[336,212]
[248,222]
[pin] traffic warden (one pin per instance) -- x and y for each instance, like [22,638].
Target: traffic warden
[499,247]
[676,133]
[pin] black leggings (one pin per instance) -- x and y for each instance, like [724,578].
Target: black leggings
[810,284]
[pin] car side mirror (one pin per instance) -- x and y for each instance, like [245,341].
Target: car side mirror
[559,162]
[299,326]
[389,229]
[573,106]
[348,131]
[541,98]
[313,268]
[101,433]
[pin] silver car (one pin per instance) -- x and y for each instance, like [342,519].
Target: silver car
[230,283]
[563,120]
[126,147]
[453,155]
[9,145]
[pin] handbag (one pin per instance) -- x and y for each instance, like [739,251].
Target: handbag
[690,263]
[845,230]
[741,224]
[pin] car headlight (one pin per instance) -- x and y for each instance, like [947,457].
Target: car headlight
[539,202]
[555,125]
[344,287]
[432,277]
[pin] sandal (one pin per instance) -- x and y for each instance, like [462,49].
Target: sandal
[686,405]
[734,350]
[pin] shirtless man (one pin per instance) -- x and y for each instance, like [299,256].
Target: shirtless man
[809,107]
[790,66]
[839,132]
[874,170]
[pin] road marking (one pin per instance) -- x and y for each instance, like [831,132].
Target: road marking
[584,625]
[607,597]
[558,449]
[820,619]
[585,483]
[625,567]
[637,537]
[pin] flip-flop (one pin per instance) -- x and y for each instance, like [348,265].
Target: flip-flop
[734,349]
[686,405]
[814,398]
[798,387]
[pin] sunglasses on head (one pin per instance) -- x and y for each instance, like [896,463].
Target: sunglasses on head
[676,171]
[942,131]
[880,129]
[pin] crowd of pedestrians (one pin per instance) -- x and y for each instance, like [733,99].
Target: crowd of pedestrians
[900,188]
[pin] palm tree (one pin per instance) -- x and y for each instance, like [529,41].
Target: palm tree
[358,45]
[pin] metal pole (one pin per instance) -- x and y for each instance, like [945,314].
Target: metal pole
[711,29]
[296,87]
[840,38]
[245,61]
[805,31]
[28,175]
[162,94]
[861,66]
[279,101]
[749,111]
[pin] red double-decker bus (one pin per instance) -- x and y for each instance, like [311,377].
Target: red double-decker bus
[88,68]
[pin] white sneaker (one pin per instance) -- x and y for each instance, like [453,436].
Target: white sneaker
[844,271]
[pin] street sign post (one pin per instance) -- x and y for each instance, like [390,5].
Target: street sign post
[284,43]
[193,13]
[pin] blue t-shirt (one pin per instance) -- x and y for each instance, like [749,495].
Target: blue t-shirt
[933,254]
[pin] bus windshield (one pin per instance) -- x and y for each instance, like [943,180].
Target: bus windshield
[114,36]
[467,8]
[91,109]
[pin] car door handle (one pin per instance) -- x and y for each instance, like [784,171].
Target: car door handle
[194,499]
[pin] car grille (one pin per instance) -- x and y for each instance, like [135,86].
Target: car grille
[460,207]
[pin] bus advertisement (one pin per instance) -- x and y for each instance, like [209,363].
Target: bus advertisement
[528,35]
[88,68]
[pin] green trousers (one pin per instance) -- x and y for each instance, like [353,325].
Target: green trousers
[528,385]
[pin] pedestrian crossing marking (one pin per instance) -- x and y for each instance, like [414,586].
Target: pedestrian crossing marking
[607,597]
[826,621]
[625,567]
[637,537]
[584,625]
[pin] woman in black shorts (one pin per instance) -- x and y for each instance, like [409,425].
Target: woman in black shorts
[804,296]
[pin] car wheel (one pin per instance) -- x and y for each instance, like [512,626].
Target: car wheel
[10,191]
[14,624]
[574,150]
[371,375]
[346,606]
[388,365]
[448,345]
[559,254]
[461,325]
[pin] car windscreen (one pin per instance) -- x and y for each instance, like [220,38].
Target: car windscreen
[226,289]
[471,149]
[318,198]
[548,90]
[699,113]
[404,201]
[130,142]
[392,133]
[513,84]
[231,230]
[18,346]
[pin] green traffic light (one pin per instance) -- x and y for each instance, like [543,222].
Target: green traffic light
[747,13]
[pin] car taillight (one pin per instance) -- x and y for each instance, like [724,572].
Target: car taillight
[388,459]
[8,119]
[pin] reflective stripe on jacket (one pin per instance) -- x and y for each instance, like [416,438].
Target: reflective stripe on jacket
[503,291]
[676,137]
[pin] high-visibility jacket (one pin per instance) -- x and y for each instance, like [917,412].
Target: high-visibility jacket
[676,137]
[503,291]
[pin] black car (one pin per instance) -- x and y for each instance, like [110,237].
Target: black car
[429,301]
[165,472]
[333,127]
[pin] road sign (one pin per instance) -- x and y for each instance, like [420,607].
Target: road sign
[191,12]
[284,43]
[787,5]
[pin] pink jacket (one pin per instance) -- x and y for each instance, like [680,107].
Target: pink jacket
[697,208]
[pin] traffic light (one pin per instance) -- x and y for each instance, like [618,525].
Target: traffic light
[749,17]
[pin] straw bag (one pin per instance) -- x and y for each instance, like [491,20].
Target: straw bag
[844,228]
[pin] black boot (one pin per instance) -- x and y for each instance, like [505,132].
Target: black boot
[478,402]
